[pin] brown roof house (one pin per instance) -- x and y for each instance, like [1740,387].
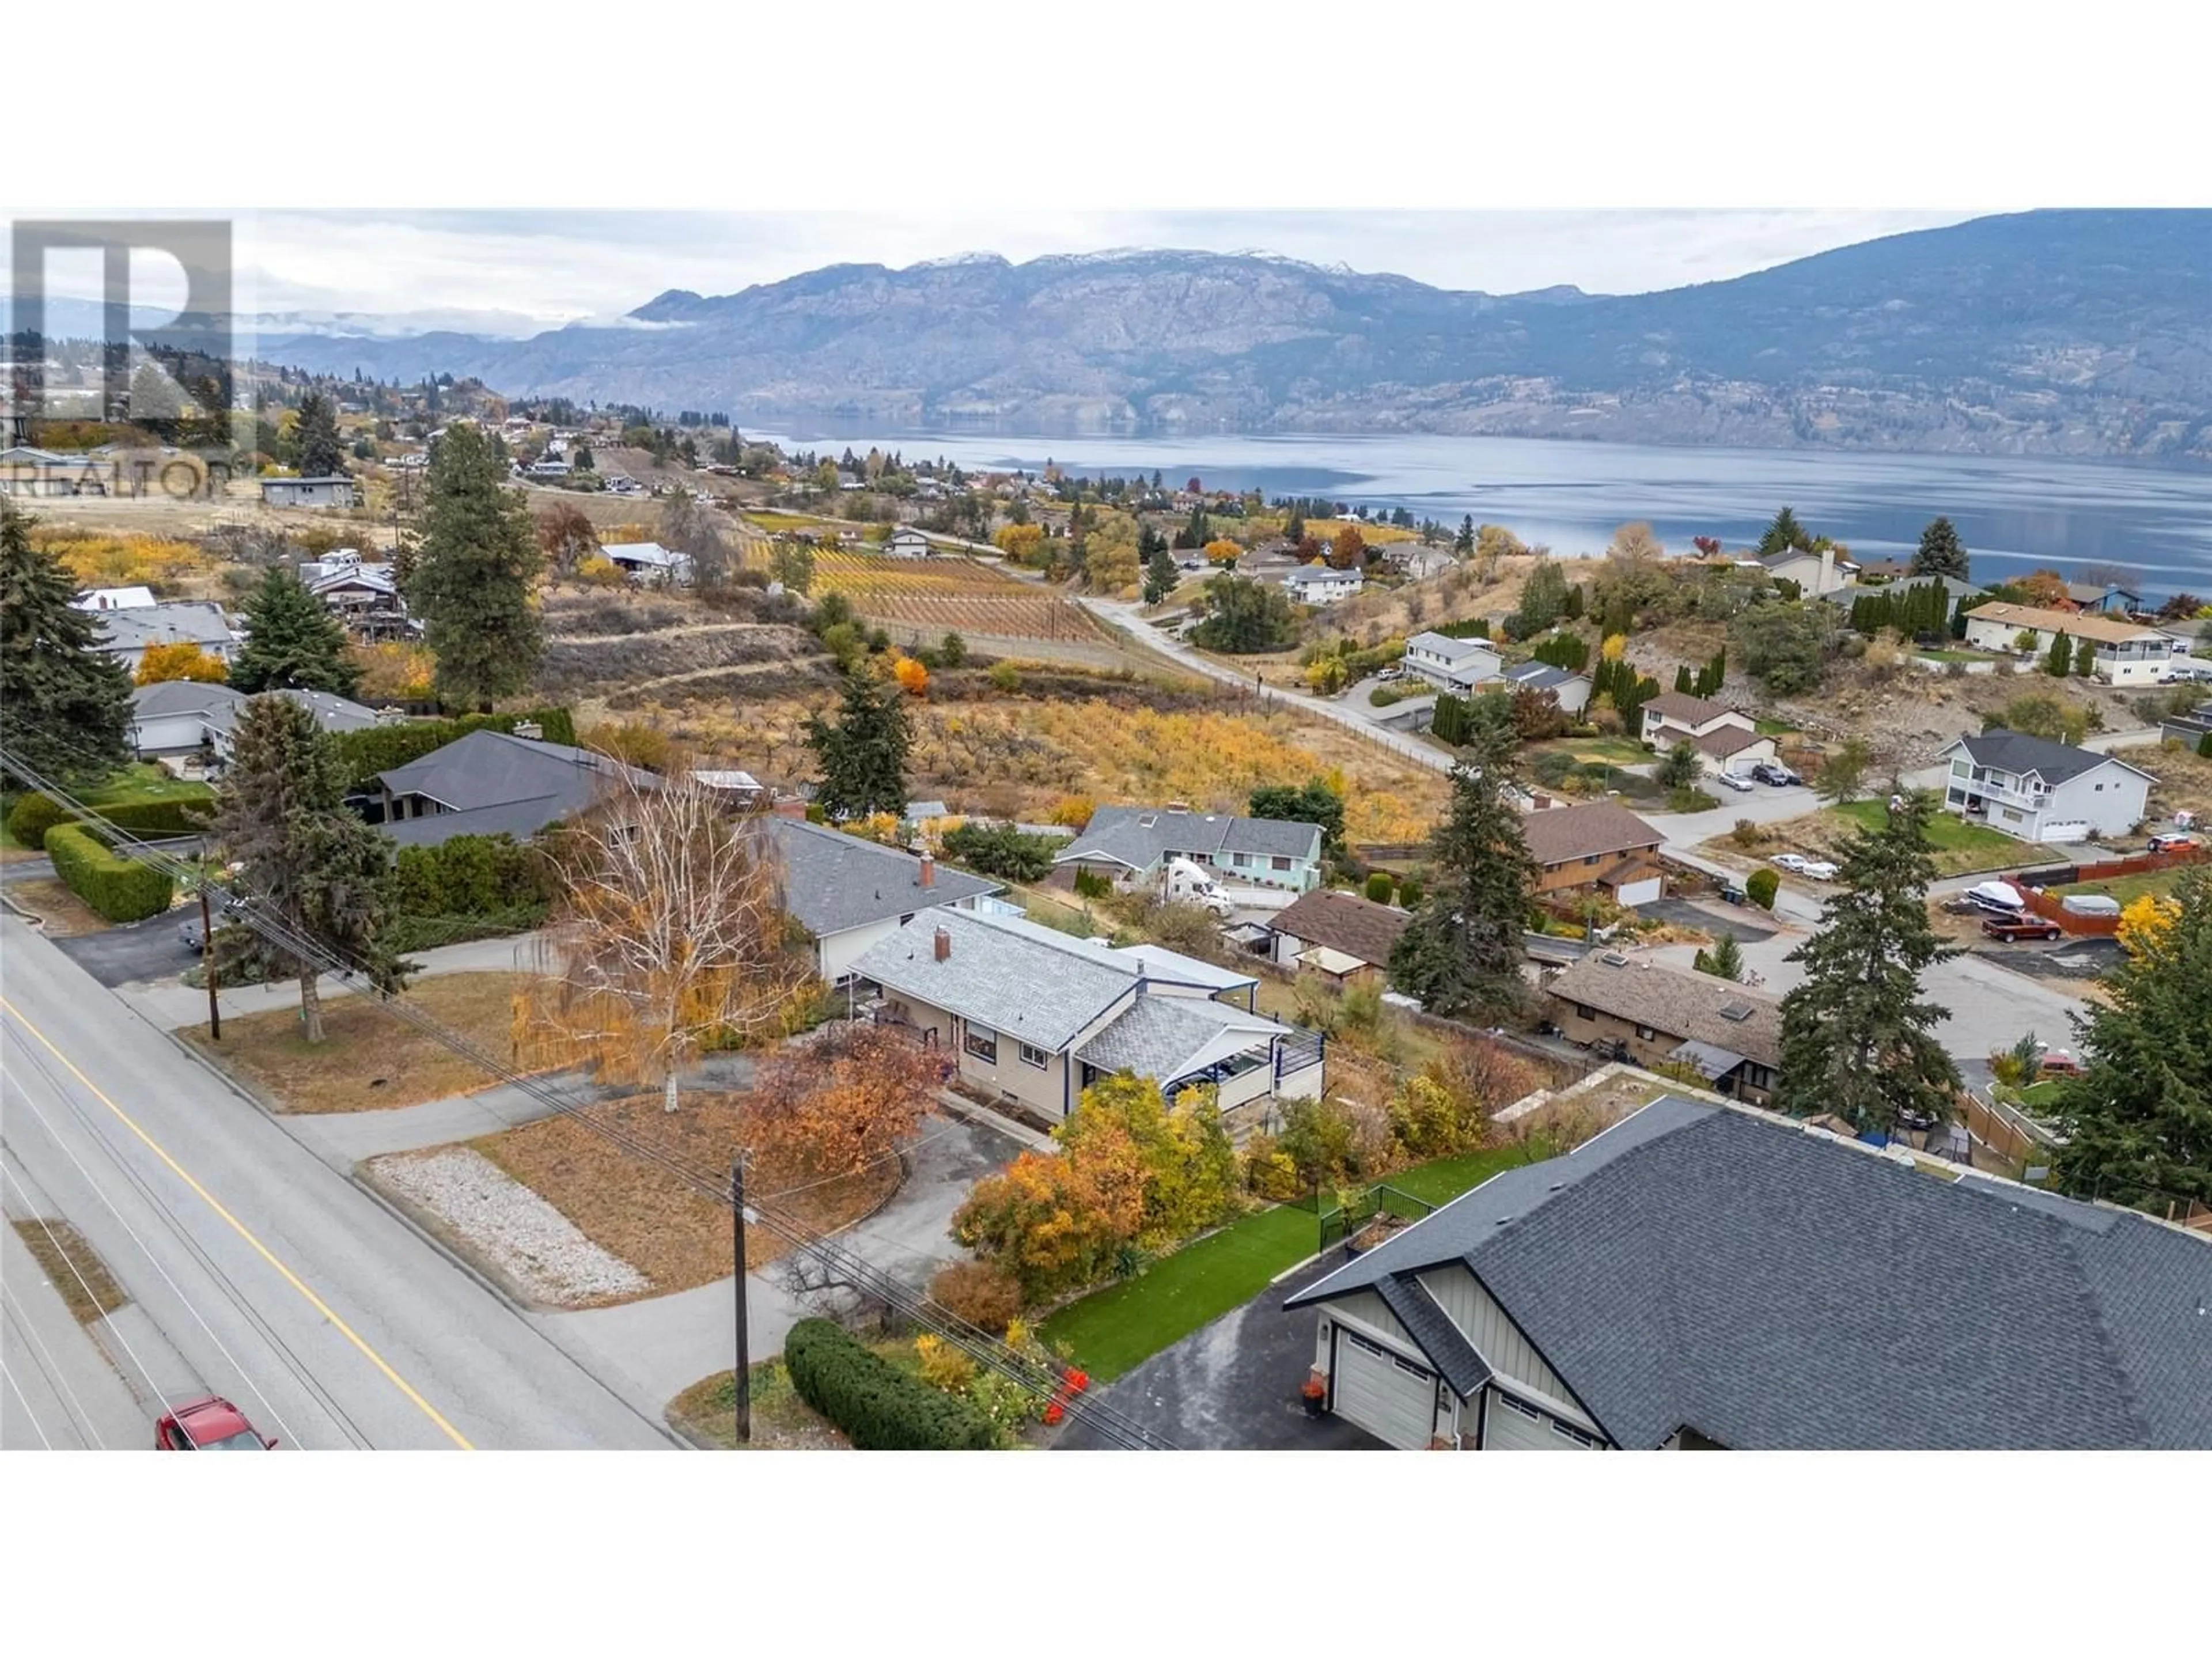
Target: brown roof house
[1726,741]
[1732,1037]
[1596,845]
[1342,937]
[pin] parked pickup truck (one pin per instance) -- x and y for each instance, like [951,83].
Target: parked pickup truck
[2011,931]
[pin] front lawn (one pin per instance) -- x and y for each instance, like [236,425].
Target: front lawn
[1621,751]
[2126,889]
[1110,1332]
[1959,846]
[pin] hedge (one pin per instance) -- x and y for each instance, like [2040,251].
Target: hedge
[170,813]
[879,1406]
[119,888]
[469,875]
[405,934]
[377,748]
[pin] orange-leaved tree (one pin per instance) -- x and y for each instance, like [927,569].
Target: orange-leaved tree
[182,661]
[1057,1223]
[669,934]
[840,1102]
[1349,550]
[912,675]
[1222,552]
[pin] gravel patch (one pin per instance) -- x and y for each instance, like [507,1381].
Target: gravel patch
[522,1234]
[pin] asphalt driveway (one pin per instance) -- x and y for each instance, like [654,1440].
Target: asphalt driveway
[134,953]
[1688,913]
[1233,1386]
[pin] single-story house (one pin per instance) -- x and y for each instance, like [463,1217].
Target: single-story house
[1318,584]
[26,471]
[1450,665]
[1732,1036]
[1703,1277]
[1570,689]
[130,630]
[1817,575]
[1033,1016]
[113,598]
[172,719]
[1725,739]
[2122,652]
[1340,936]
[491,783]
[1596,844]
[1134,844]
[335,491]
[850,894]
[2040,790]
[907,544]
[648,561]
[2110,599]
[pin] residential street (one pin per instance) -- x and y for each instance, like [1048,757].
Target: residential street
[270,1278]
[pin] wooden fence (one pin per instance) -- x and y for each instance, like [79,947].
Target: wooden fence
[2030,884]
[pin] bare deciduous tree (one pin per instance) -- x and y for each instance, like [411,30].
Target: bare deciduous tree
[670,932]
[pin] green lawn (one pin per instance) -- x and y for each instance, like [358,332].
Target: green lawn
[144,781]
[1621,751]
[1960,844]
[2038,1098]
[2127,889]
[1112,1331]
[1767,726]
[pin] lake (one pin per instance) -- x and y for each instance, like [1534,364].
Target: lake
[2014,514]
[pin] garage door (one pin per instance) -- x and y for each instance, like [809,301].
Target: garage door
[1514,1426]
[1634,893]
[1393,1400]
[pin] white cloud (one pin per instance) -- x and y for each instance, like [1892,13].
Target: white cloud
[545,269]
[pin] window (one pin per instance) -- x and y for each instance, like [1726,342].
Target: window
[1567,1431]
[1033,1056]
[1243,860]
[1647,1034]
[905,918]
[983,1044]
[1592,857]
[1757,1075]
[1521,1405]
[1583,1011]
[1278,862]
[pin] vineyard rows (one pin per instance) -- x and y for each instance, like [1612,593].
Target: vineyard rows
[939,594]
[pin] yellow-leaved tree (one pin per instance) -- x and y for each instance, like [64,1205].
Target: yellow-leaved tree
[183,660]
[1222,552]
[669,934]
[2146,924]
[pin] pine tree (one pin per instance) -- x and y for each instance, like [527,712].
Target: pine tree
[1857,1036]
[473,574]
[1159,572]
[2085,658]
[293,642]
[1728,957]
[2059,663]
[1461,953]
[1463,544]
[312,865]
[63,707]
[863,756]
[1784,534]
[1683,683]
[2138,1119]
[1940,553]
[315,439]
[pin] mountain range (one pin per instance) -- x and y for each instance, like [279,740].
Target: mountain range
[2075,333]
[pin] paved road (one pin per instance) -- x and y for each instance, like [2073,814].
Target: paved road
[275,1280]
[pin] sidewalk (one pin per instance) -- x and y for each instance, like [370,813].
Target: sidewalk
[172,1003]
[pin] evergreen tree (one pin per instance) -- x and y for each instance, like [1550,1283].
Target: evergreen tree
[315,439]
[863,756]
[1784,534]
[2085,658]
[2138,1119]
[1573,608]
[63,707]
[1313,802]
[2059,662]
[1461,953]
[1726,960]
[1463,544]
[473,574]
[1160,572]
[1941,553]
[1682,681]
[293,642]
[310,864]
[1857,1037]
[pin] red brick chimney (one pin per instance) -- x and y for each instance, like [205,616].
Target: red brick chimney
[928,871]
[944,946]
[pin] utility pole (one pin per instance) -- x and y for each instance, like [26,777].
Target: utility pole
[207,952]
[743,1373]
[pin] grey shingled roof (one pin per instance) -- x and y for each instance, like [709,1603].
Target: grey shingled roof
[1433,1332]
[2020,752]
[1772,1288]
[1009,975]
[1122,835]
[136,627]
[520,818]
[1162,1036]
[834,881]
[1344,922]
[1678,1001]
[495,784]
[165,699]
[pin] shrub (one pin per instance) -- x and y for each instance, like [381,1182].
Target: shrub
[470,876]
[1000,850]
[1005,677]
[981,1293]
[1380,885]
[1269,1172]
[1090,884]
[119,888]
[174,813]
[879,1407]
[33,816]
[1761,888]
[2205,745]
[1409,892]
[1746,834]
[1321,1141]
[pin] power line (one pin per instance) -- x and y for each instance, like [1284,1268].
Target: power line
[844,1266]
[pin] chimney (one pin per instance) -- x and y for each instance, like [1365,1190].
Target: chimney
[1828,571]
[944,946]
[928,871]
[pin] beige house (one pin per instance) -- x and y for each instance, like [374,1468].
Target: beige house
[1725,739]
[2123,653]
[1659,1016]
[1032,1016]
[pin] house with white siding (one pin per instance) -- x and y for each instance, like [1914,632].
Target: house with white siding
[1726,739]
[1451,664]
[2122,653]
[2038,790]
[1318,584]
[850,894]
[1704,1276]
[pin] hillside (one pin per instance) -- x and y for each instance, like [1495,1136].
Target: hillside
[2074,333]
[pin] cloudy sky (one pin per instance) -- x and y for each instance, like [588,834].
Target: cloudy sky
[518,270]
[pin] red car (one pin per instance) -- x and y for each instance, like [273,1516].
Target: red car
[209,1423]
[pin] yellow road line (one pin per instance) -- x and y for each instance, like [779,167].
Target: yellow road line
[240,1228]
